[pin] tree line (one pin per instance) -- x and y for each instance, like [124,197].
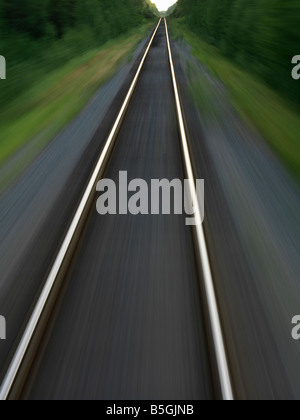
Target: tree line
[261,35]
[37,36]
[40,18]
[88,22]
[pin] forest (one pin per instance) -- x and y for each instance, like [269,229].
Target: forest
[53,19]
[261,35]
[41,35]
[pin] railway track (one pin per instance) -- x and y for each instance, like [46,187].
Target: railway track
[150,298]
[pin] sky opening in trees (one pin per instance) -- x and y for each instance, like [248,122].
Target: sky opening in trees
[163,5]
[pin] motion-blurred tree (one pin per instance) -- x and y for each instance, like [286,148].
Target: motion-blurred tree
[25,16]
[37,36]
[262,35]
[31,17]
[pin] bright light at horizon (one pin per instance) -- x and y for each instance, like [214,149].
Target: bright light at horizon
[163,5]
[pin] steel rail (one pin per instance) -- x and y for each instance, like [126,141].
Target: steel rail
[214,318]
[71,237]
[18,358]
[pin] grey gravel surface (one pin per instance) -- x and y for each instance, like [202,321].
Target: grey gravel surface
[130,324]
[253,230]
[36,210]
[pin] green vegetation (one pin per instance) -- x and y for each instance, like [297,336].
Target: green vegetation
[39,36]
[276,118]
[170,10]
[260,35]
[58,52]
[54,100]
[152,8]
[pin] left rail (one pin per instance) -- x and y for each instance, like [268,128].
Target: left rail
[24,354]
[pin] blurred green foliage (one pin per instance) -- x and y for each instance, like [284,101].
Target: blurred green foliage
[261,35]
[170,10]
[152,8]
[38,36]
